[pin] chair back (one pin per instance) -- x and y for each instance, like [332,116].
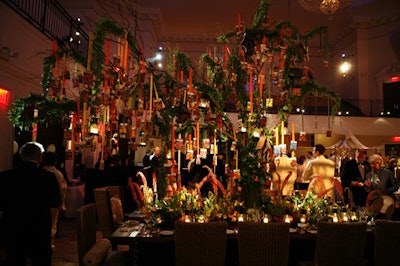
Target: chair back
[263,244]
[340,243]
[200,244]
[387,242]
[109,209]
[86,229]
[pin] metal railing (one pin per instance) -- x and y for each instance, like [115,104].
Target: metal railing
[49,17]
[349,107]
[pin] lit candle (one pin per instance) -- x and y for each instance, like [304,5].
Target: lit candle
[173,145]
[287,219]
[198,137]
[190,79]
[251,90]
[265,219]
[303,220]
[84,119]
[261,89]
[283,133]
[151,94]
[237,158]
[276,136]
[179,155]
[215,142]
[240,218]
[293,131]
[187,219]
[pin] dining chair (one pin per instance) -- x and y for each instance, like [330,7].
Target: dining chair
[110,213]
[91,251]
[200,244]
[340,244]
[387,242]
[263,244]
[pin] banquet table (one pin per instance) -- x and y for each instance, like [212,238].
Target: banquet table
[159,247]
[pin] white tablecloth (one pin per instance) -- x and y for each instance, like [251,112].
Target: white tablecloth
[74,199]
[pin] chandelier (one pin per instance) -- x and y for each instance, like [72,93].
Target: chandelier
[327,7]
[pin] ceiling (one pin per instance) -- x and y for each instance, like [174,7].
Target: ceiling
[208,19]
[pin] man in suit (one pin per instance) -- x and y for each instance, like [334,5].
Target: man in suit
[321,168]
[353,177]
[26,195]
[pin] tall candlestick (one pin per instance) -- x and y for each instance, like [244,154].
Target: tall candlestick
[190,80]
[283,132]
[237,158]
[179,155]
[198,137]
[215,142]
[276,136]
[151,95]
[251,91]
[293,131]
[173,144]
[84,119]
[261,89]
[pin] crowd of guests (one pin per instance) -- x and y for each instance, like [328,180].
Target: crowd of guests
[357,177]
[366,181]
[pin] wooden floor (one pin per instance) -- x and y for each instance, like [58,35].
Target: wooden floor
[65,252]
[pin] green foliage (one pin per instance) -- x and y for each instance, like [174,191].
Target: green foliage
[49,111]
[105,27]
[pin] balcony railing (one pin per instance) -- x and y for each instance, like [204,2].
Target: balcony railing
[349,107]
[49,17]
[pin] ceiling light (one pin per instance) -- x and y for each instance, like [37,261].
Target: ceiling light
[327,7]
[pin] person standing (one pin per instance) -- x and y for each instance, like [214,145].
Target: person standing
[49,162]
[353,177]
[320,168]
[301,166]
[154,165]
[26,195]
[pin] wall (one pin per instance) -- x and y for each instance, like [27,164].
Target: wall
[21,75]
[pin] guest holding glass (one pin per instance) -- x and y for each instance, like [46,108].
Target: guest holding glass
[353,177]
[380,184]
[380,178]
[26,195]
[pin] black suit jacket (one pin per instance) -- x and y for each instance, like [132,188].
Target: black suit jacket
[26,195]
[350,173]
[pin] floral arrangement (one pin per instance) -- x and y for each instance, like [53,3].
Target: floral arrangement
[188,203]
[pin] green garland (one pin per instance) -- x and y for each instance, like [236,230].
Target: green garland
[49,111]
[103,27]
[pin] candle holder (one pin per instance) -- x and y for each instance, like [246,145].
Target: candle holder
[266,218]
[335,217]
[345,216]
